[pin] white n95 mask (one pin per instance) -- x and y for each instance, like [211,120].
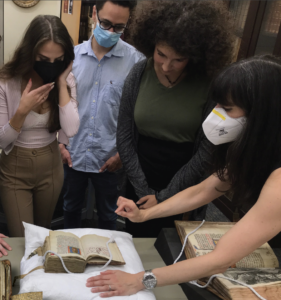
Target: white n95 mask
[219,128]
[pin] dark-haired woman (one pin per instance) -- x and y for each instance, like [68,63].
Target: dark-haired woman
[247,159]
[158,137]
[37,101]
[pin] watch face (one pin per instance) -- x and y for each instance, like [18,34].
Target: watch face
[150,282]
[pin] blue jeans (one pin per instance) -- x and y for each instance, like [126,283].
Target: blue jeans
[106,194]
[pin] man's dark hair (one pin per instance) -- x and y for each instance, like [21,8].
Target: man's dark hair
[131,4]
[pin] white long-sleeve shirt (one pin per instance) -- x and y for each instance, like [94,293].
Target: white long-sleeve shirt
[34,132]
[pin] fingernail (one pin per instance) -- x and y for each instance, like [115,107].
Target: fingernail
[70,166]
[52,83]
[30,80]
[137,203]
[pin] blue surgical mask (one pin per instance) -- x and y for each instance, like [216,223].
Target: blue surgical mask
[106,38]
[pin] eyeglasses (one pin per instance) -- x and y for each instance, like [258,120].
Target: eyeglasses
[106,25]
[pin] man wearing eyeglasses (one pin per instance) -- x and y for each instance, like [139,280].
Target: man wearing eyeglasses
[100,68]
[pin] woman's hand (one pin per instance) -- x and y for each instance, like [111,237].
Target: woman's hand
[62,78]
[128,209]
[113,164]
[31,99]
[149,201]
[4,246]
[65,155]
[115,283]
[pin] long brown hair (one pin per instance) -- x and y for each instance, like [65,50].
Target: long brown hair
[42,29]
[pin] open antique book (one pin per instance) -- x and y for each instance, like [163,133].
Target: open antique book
[259,269]
[6,285]
[78,252]
[267,282]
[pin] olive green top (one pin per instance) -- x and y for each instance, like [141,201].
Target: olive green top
[170,114]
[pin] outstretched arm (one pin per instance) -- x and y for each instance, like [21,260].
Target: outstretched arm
[187,200]
[259,225]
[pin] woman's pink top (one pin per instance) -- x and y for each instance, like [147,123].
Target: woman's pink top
[34,132]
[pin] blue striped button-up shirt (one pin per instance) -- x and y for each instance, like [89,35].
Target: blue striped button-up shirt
[99,89]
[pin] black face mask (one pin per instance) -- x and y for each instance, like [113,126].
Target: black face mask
[49,71]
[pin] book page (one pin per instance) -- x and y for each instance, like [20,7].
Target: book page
[253,277]
[65,244]
[95,245]
[205,239]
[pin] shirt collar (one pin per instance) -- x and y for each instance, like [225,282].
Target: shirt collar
[117,50]
[86,47]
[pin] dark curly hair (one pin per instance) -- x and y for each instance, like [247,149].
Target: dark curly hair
[199,30]
[131,4]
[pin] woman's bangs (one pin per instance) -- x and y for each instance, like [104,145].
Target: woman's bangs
[221,91]
[228,88]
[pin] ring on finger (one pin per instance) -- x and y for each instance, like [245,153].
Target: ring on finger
[109,288]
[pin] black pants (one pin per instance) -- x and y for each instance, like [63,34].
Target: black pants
[106,193]
[160,161]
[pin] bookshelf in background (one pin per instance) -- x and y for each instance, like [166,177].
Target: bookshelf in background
[86,23]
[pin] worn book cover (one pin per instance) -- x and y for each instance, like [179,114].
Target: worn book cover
[259,269]
[267,282]
[78,252]
[28,296]
[6,285]
[5,280]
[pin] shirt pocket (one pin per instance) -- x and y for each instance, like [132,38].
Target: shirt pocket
[108,110]
[112,92]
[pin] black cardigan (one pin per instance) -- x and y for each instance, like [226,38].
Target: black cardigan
[190,174]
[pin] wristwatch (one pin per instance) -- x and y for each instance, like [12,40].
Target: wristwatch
[149,280]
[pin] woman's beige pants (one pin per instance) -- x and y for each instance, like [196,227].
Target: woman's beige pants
[30,185]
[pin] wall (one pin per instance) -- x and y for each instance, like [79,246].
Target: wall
[16,19]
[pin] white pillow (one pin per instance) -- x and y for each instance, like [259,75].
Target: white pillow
[73,286]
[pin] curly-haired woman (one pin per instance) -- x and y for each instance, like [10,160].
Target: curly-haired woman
[37,100]
[158,137]
[249,113]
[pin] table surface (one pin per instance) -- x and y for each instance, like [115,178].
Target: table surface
[144,246]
